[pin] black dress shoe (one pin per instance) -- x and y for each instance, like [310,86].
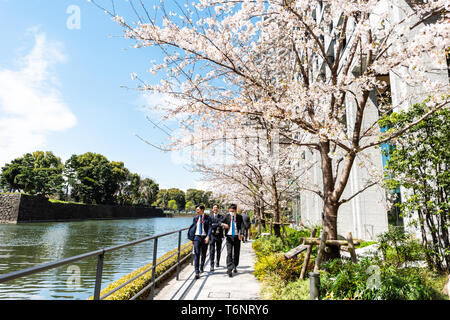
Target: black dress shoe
[229,273]
[235,270]
[197,276]
[217,264]
[201,270]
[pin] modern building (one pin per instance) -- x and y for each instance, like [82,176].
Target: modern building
[366,215]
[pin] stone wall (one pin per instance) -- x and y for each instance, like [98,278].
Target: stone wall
[16,208]
[9,207]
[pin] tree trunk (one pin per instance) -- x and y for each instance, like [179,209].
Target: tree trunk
[330,204]
[261,215]
[425,243]
[276,219]
[330,227]
[276,209]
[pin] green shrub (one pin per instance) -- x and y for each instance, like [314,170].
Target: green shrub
[287,269]
[267,246]
[296,290]
[291,268]
[267,264]
[279,275]
[137,285]
[345,280]
[435,281]
[275,288]
[399,247]
[293,236]
[271,287]
[405,284]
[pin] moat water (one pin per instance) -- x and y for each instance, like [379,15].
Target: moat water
[30,244]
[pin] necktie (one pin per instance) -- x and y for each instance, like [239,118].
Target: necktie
[201,225]
[232,226]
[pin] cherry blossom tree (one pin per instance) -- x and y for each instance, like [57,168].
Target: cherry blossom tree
[248,163]
[313,66]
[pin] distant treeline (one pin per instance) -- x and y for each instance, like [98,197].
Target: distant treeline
[92,179]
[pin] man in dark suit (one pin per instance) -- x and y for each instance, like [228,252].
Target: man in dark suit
[200,232]
[247,224]
[234,230]
[215,244]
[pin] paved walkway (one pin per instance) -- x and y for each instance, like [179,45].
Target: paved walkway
[215,285]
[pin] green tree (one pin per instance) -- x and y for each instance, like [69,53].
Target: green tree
[12,174]
[132,191]
[172,205]
[195,196]
[199,197]
[119,191]
[419,162]
[190,206]
[37,173]
[165,195]
[207,199]
[177,195]
[162,199]
[148,191]
[93,179]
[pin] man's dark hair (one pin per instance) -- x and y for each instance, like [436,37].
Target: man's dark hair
[215,204]
[232,206]
[202,207]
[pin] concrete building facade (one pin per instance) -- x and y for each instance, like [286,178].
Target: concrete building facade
[366,215]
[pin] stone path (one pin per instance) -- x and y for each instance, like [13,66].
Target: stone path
[215,285]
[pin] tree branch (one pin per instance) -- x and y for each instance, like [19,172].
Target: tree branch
[360,191]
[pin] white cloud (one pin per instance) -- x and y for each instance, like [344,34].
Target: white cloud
[156,104]
[31,106]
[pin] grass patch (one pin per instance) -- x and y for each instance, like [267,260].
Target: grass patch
[65,202]
[365,244]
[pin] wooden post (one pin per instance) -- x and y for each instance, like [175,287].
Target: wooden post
[307,256]
[270,226]
[351,247]
[320,251]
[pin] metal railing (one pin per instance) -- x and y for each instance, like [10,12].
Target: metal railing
[100,257]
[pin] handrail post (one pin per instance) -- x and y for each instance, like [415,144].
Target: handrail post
[100,260]
[178,258]
[155,250]
[98,276]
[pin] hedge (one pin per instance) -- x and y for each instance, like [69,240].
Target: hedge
[138,284]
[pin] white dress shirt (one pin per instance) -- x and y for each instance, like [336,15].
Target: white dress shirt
[197,232]
[230,229]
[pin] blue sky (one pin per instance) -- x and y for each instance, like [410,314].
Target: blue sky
[60,89]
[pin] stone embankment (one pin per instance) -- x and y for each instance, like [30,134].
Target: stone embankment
[16,208]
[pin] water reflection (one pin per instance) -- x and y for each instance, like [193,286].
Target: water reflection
[30,244]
